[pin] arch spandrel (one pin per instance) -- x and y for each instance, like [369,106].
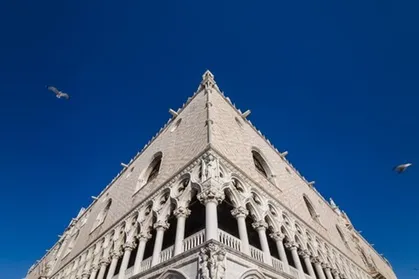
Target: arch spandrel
[252,274]
[173,274]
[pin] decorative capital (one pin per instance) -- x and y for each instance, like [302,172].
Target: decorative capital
[105,261]
[292,245]
[304,253]
[335,272]
[161,225]
[277,236]
[325,265]
[211,194]
[316,260]
[240,211]
[145,235]
[116,254]
[93,268]
[259,225]
[129,246]
[182,212]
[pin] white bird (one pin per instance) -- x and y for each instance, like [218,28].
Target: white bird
[401,168]
[59,94]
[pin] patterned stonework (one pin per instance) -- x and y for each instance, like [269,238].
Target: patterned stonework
[209,154]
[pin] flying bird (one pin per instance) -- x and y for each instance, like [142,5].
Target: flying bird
[401,168]
[59,94]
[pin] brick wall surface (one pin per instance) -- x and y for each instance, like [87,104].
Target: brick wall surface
[236,141]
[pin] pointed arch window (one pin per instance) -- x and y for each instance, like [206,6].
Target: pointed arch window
[151,172]
[102,215]
[342,236]
[311,209]
[155,168]
[261,165]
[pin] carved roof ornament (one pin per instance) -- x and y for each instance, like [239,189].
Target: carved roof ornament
[208,82]
[332,203]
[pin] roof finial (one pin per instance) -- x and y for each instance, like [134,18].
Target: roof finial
[332,203]
[208,82]
[207,76]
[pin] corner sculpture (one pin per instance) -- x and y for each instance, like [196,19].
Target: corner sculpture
[212,262]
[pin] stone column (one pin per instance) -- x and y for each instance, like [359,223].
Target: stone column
[240,214]
[115,256]
[128,247]
[86,271]
[103,264]
[327,271]
[93,272]
[211,196]
[160,227]
[80,266]
[306,256]
[142,238]
[278,238]
[335,274]
[293,247]
[318,267]
[181,214]
[260,227]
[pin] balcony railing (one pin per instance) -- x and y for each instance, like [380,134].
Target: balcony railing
[277,264]
[166,254]
[229,240]
[225,238]
[194,240]
[256,254]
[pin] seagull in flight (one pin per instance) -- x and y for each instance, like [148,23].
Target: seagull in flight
[59,94]
[401,168]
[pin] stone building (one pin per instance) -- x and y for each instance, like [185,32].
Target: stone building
[210,197]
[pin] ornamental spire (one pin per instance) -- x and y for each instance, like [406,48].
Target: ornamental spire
[208,82]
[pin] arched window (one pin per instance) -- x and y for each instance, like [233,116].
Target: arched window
[102,215]
[151,172]
[72,242]
[310,208]
[342,236]
[155,167]
[260,164]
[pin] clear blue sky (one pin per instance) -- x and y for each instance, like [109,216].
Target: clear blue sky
[333,82]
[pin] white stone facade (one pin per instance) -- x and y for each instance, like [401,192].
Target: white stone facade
[210,155]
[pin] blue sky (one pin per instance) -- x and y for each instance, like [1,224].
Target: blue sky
[333,82]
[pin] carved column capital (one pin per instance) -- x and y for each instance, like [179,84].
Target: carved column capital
[161,225]
[292,245]
[325,265]
[145,236]
[182,212]
[211,194]
[93,268]
[316,260]
[116,254]
[104,261]
[277,236]
[129,246]
[260,225]
[335,273]
[240,211]
[304,253]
